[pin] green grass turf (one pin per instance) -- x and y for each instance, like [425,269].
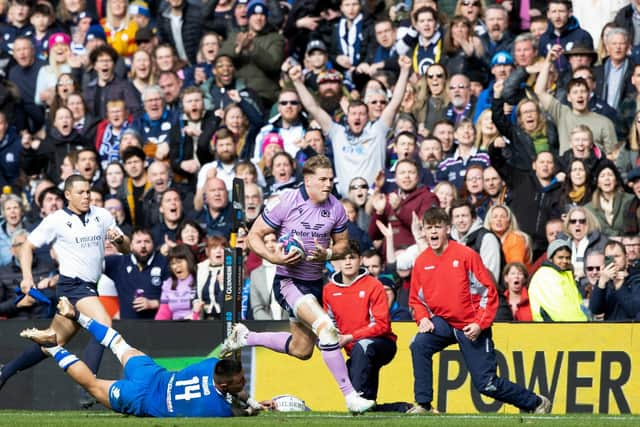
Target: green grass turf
[324,419]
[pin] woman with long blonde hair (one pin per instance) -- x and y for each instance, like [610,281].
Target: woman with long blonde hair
[583,234]
[142,72]
[119,28]
[431,96]
[473,10]
[516,245]
[486,131]
[59,53]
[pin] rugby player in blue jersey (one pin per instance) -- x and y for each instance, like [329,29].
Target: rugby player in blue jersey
[210,388]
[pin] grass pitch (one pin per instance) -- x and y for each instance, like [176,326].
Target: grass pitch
[324,419]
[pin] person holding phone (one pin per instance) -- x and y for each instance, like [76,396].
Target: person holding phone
[553,294]
[617,294]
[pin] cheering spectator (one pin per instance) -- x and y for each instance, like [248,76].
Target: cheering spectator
[564,31]
[138,278]
[497,38]
[257,53]
[107,86]
[47,156]
[178,300]
[473,10]
[584,235]
[59,53]
[119,28]
[189,142]
[397,208]
[468,229]
[368,159]
[515,278]
[453,169]
[515,244]
[431,96]
[609,202]
[567,118]
[290,124]
[24,75]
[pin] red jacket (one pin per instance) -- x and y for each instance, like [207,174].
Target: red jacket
[455,286]
[523,309]
[360,309]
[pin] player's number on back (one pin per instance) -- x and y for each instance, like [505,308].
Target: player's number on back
[191,389]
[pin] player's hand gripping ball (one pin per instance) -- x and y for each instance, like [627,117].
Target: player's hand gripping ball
[292,243]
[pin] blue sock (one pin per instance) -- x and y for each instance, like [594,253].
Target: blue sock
[63,358]
[28,358]
[102,333]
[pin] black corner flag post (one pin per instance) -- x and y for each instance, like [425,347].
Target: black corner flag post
[233,262]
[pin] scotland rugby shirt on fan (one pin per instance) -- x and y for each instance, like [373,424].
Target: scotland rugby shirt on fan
[78,240]
[293,212]
[358,155]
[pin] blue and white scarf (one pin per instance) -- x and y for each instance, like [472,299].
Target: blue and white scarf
[350,39]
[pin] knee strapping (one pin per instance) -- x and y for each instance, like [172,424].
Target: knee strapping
[119,347]
[327,333]
[310,302]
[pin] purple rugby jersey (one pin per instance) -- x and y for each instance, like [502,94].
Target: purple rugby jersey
[293,212]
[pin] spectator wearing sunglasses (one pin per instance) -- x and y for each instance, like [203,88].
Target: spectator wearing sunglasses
[582,231]
[289,123]
[593,264]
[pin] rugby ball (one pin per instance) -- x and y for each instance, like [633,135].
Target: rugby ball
[289,403]
[291,243]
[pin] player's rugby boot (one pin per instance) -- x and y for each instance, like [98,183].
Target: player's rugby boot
[421,410]
[544,407]
[358,404]
[40,336]
[236,340]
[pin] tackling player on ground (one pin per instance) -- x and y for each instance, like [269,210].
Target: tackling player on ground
[317,218]
[211,388]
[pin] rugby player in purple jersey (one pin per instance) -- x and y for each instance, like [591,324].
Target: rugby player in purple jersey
[312,214]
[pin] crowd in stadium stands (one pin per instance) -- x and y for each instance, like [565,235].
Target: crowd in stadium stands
[504,113]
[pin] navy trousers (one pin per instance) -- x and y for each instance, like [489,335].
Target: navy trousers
[367,357]
[480,357]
